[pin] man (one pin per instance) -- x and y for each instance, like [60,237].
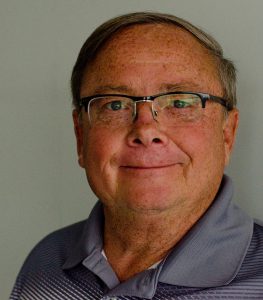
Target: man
[155,122]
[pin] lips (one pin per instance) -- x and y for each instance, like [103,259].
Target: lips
[139,159]
[148,166]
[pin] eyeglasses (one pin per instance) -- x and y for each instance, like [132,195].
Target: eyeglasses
[176,108]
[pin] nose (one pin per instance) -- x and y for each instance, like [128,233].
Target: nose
[146,130]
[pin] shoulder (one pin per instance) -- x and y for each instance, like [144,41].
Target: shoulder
[258,223]
[258,233]
[258,228]
[253,261]
[45,260]
[54,248]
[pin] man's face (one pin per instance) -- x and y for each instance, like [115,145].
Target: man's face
[149,166]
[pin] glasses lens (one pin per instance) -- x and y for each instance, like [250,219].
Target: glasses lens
[179,108]
[110,110]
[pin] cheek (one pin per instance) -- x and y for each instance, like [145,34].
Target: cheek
[212,154]
[202,143]
[98,147]
[100,152]
[95,156]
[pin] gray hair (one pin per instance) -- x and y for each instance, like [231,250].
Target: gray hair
[92,46]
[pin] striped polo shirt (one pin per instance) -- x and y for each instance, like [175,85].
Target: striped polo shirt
[221,257]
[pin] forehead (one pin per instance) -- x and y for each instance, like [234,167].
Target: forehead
[147,37]
[158,53]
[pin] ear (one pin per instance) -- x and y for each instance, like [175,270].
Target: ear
[230,130]
[78,128]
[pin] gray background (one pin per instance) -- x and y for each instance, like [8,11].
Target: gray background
[41,186]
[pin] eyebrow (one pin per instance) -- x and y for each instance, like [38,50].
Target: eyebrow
[108,88]
[184,86]
[165,87]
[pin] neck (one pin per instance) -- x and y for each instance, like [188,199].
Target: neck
[134,241]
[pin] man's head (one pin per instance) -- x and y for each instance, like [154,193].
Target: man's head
[151,164]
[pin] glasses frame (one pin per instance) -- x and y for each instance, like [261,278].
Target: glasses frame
[204,97]
[83,102]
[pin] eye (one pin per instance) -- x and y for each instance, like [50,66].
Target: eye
[180,104]
[115,105]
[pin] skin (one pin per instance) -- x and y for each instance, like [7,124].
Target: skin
[154,180]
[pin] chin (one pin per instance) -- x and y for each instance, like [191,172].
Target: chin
[149,202]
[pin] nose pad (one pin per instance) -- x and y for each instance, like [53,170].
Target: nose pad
[154,113]
[135,112]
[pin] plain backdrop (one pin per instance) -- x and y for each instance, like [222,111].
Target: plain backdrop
[41,186]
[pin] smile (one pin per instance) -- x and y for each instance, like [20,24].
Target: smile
[148,167]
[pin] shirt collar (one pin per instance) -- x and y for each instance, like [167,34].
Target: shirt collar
[91,240]
[209,255]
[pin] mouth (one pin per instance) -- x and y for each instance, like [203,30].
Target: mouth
[148,167]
